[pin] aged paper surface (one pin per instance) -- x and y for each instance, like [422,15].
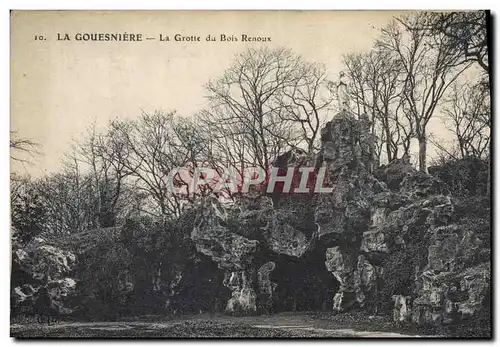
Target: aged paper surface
[279,174]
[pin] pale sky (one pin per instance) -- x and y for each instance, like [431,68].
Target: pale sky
[58,88]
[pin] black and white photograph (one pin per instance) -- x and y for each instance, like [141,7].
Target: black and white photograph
[276,174]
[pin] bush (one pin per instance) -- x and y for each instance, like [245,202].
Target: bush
[463,177]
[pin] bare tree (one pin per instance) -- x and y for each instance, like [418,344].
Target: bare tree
[465,30]
[430,66]
[21,145]
[244,99]
[468,109]
[149,148]
[69,200]
[307,100]
[375,85]
[265,103]
[102,154]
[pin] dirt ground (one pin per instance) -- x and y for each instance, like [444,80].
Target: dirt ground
[282,325]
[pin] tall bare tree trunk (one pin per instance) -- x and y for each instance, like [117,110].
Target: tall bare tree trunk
[422,152]
[388,146]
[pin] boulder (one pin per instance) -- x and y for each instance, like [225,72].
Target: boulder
[402,311]
[283,238]
[342,264]
[266,287]
[43,266]
[243,296]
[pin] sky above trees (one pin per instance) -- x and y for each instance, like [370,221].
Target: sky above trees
[59,89]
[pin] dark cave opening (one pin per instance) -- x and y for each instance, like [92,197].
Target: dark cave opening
[202,289]
[303,284]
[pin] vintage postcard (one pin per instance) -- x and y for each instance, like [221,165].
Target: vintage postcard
[250,174]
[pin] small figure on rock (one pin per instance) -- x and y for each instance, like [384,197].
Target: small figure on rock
[342,93]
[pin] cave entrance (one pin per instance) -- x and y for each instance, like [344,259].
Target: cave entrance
[201,288]
[303,284]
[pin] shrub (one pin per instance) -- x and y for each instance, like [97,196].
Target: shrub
[463,177]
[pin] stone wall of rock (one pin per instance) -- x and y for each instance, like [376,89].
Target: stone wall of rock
[42,266]
[388,236]
[239,240]
[242,241]
[451,281]
[344,215]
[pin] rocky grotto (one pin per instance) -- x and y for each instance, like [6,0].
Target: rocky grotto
[335,251]
[387,239]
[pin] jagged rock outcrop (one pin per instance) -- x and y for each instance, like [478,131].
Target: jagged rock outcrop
[344,215]
[266,287]
[42,265]
[453,285]
[342,264]
[242,240]
[281,235]
[243,296]
[451,281]
[233,237]
[389,237]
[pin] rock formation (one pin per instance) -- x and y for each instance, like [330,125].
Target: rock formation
[386,239]
[42,266]
[243,241]
[387,236]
